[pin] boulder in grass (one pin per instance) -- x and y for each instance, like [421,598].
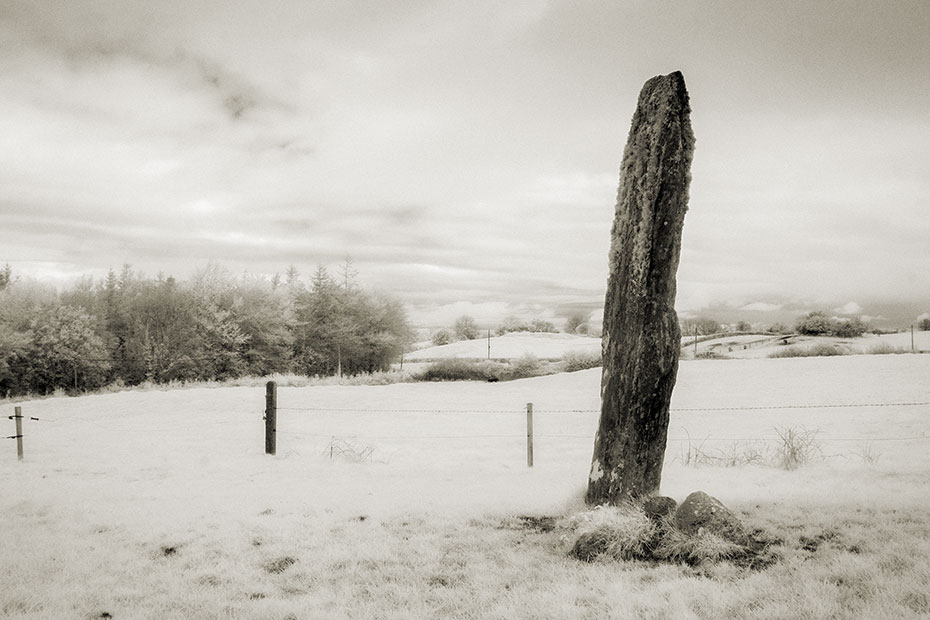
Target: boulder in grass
[658,507]
[590,545]
[701,512]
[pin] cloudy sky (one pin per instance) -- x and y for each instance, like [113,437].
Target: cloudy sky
[466,154]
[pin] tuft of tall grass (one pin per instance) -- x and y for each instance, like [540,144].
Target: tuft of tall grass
[626,533]
[619,532]
[676,546]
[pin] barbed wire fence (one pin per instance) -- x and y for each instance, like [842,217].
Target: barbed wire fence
[345,445]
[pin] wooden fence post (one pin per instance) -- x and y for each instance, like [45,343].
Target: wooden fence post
[271,414]
[18,414]
[529,434]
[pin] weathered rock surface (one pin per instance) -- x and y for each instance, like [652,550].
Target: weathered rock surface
[657,507]
[642,339]
[700,511]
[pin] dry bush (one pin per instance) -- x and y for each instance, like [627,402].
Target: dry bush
[454,369]
[885,348]
[348,450]
[793,448]
[734,454]
[574,361]
[797,446]
[821,349]
[527,365]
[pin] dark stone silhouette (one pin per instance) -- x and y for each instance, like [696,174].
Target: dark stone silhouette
[642,339]
[658,507]
[702,512]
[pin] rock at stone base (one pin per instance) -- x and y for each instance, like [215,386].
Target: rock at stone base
[657,507]
[589,546]
[700,511]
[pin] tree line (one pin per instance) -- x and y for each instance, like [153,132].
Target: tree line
[128,329]
[465,328]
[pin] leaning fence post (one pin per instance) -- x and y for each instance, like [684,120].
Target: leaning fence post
[271,414]
[529,434]
[18,414]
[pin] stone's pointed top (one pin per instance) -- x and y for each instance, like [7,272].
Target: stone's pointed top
[664,96]
[674,82]
[674,77]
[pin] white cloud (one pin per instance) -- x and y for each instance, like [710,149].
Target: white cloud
[850,308]
[761,306]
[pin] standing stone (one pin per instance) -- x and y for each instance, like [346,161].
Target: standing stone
[642,339]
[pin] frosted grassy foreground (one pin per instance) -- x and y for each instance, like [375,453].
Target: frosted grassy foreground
[162,504]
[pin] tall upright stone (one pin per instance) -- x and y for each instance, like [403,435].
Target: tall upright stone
[641,337]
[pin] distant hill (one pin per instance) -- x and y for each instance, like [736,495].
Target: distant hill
[510,346]
[748,346]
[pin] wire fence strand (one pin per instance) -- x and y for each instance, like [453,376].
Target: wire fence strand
[123,425]
[590,411]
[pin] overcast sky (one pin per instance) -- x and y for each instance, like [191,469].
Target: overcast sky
[466,154]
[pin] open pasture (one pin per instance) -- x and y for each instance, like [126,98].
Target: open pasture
[510,346]
[162,504]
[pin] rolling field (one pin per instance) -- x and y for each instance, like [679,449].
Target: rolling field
[403,500]
[510,346]
[756,346]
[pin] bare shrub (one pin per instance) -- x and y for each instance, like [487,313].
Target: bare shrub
[793,448]
[797,446]
[734,454]
[348,450]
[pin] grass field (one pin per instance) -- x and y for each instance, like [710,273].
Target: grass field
[161,504]
[510,346]
[754,346]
